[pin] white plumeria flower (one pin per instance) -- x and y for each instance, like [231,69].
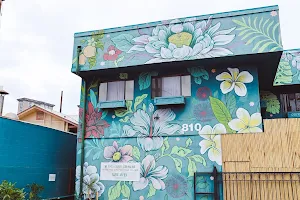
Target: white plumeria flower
[151,173]
[246,123]
[151,128]
[212,142]
[234,80]
[91,181]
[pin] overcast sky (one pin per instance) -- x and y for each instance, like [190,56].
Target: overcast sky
[36,38]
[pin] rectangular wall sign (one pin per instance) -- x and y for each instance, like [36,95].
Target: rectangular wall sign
[120,171]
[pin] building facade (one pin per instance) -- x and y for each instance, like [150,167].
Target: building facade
[157,98]
[25,103]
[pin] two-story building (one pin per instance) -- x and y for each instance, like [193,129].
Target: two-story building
[157,98]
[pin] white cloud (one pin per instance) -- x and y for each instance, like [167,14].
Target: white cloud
[36,38]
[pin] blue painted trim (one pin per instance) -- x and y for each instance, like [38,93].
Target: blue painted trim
[201,17]
[112,104]
[293,114]
[168,100]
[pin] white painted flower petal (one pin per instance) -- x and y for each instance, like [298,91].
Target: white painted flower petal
[215,155]
[244,77]
[237,124]
[219,129]
[255,120]
[255,130]
[226,86]
[206,131]
[141,184]
[182,52]
[243,115]
[234,73]
[178,28]
[224,76]
[240,89]
[205,145]
[165,53]
[223,39]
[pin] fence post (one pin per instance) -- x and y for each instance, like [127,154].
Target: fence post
[216,190]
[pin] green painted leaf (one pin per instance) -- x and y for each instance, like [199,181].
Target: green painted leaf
[100,45]
[98,35]
[198,74]
[82,41]
[230,102]
[151,192]
[136,153]
[204,198]
[165,146]
[145,79]
[166,197]
[92,61]
[191,168]
[271,102]
[122,112]
[125,119]
[180,151]
[202,185]
[104,114]
[178,164]
[125,191]
[139,100]
[221,112]
[120,59]
[123,42]
[144,107]
[199,159]
[114,192]
[252,30]
[188,142]
[216,94]
[93,98]
[284,74]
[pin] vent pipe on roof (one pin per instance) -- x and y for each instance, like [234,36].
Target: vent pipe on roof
[2,94]
[61,99]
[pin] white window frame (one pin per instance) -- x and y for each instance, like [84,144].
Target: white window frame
[125,91]
[184,90]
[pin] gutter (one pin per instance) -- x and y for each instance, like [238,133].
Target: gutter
[83,125]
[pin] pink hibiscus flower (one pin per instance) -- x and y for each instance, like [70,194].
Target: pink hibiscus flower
[94,124]
[116,154]
[112,53]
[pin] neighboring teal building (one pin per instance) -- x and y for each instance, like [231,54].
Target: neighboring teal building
[35,154]
[156,97]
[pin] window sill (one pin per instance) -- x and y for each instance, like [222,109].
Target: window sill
[112,104]
[168,100]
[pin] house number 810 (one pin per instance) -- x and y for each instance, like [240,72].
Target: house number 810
[191,127]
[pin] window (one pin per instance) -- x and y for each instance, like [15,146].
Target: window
[116,91]
[171,86]
[290,102]
[39,115]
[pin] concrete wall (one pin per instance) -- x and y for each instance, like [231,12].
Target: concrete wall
[29,153]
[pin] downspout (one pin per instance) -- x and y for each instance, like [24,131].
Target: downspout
[83,125]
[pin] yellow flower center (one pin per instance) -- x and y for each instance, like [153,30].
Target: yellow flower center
[180,39]
[117,156]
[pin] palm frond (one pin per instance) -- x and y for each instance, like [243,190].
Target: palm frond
[264,32]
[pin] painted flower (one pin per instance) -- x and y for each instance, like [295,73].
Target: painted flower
[176,186]
[251,104]
[91,184]
[94,124]
[273,13]
[203,93]
[234,80]
[151,173]
[212,142]
[118,154]
[246,123]
[102,63]
[89,51]
[203,111]
[213,71]
[185,40]
[151,128]
[112,53]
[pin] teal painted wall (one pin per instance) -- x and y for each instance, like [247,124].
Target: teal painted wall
[217,35]
[29,153]
[172,141]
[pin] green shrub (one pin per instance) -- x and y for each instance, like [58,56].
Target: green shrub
[35,189]
[8,191]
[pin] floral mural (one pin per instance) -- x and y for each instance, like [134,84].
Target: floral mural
[170,143]
[180,39]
